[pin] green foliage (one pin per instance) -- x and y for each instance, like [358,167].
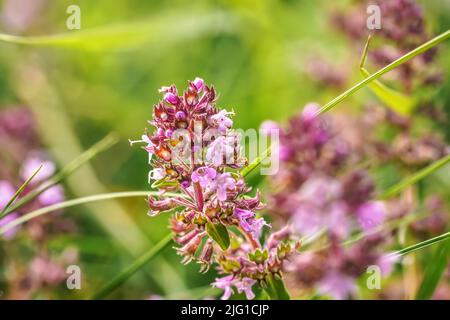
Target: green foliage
[219,233]
[434,270]
[276,289]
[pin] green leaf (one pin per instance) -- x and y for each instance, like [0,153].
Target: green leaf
[419,175]
[219,233]
[397,101]
[5,211]
[276,289]
[163,183]
[255,163]
[433,272]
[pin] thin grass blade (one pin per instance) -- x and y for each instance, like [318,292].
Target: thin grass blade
[133,268]
[406,182]
[421,245]
[434,271]
[72,203]
[103,145]
[395,100]
[5,211]
[328,106]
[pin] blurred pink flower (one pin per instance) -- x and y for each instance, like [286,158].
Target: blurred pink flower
[6,220]
[337,285]
[371,214]
[32,163]
[52,195]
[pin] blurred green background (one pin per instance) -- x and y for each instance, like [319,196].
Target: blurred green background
[82,85]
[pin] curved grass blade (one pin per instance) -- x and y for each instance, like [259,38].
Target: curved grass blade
[397,188]
[5,211]
[434,271]
[177,26]
[419,50]
[75,202]
[255,163]
[421,245]
[395,100]
[133,268]
[104,144]
[328,106]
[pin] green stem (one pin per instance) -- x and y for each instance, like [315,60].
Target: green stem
[86,156]
[421,49]
[255,163]
[276,290]
[5,211]
[133,268]
[397,188]
[421,245]
[75,202]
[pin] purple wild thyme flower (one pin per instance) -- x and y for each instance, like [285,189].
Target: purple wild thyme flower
[320,191]
[194,152]
[17,134]
[402,29]
[22,156]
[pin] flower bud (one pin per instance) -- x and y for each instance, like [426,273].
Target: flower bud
[171,98]
[180,115]
[198,83]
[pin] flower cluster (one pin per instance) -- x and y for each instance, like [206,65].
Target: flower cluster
[50,196]
[318,190]
[21,158]
[194,151]
[333,271]
[26,159]
[402,29]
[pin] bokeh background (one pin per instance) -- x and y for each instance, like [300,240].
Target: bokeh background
[82,85]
